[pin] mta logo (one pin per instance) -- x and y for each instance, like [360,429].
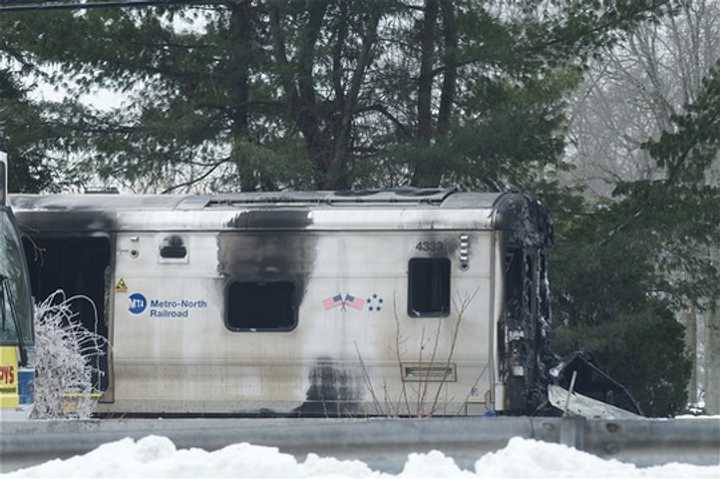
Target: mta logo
[138,303]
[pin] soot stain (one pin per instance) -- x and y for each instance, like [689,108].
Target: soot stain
[276,248]
[267,257]
[284,252]
[332,392]
[450,242]
[272,218]
[68,222]
[525,220]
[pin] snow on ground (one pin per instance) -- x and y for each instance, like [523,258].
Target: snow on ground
[157,457]
[691,416]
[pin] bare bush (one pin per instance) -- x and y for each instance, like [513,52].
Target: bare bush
[426,402]
[64,355]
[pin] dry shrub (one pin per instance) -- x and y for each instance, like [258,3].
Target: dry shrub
[65,353]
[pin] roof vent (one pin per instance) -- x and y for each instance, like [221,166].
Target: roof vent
[95,190]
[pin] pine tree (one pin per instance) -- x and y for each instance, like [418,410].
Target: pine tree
[625,267]
[325,94]
[22,137]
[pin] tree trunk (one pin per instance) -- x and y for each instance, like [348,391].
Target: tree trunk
[239,71]
[447,94]
[690,321]
[424,174]
[425,81]
[296,77]
[307,118]
[338,177]
[712,362]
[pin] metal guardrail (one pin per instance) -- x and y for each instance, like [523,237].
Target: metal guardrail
[382,443]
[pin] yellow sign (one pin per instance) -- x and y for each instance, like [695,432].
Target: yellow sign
[8,377]
[121,287]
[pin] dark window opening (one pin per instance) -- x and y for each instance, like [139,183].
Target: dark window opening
[173,248]
[513,280]
[78,266]
[429,287]
[261,306]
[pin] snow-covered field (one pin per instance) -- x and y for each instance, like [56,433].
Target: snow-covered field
[157,457]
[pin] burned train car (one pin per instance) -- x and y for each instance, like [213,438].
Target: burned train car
[411,301]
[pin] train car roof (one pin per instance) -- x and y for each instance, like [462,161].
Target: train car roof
[404,208]
[401,197]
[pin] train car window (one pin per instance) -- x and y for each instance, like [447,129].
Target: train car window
[173,247]
[261,306]
[429,287]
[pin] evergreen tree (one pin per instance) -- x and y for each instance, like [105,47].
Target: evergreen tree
[329,93]
[271,94]
[623,268]
[21,139]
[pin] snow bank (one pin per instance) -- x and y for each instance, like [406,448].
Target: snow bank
[157,457]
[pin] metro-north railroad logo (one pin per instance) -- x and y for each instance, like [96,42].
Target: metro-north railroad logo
[138,303]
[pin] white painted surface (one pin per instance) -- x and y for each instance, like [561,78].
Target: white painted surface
[196,364]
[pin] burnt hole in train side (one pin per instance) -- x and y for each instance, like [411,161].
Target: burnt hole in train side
[521,337]
[513,287]
[512,345]
[511,301]
[77,266]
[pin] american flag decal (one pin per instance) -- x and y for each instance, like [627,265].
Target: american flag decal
[343,301]
[333,302]
[353,302]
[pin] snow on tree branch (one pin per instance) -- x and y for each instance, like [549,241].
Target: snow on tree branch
[65,354]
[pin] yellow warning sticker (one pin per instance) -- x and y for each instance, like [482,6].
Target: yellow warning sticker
[121,287]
